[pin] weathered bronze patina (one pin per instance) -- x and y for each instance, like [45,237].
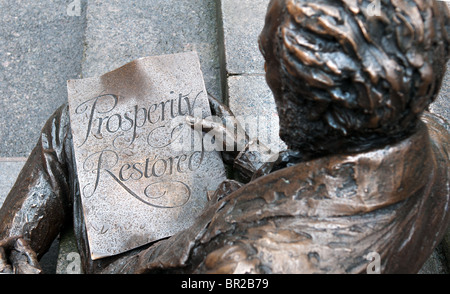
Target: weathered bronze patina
[140,178]
[366,170]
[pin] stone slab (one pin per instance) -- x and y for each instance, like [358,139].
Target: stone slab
[40,48]
[9,170]
[242,24]
[437,263]
[141,178]
[120,31]
[441,106]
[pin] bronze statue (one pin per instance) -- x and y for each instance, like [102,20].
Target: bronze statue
[367,169]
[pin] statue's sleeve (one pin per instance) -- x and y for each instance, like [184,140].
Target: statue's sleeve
[39,201]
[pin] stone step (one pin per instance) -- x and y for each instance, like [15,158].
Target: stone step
[10,168]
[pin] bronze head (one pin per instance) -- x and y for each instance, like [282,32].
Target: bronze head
[345,79]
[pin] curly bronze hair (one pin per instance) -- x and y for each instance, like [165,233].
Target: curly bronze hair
[362,74]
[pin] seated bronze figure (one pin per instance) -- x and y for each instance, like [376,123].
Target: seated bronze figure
[367,170]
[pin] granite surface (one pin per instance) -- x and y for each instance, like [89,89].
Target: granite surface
[42,45]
